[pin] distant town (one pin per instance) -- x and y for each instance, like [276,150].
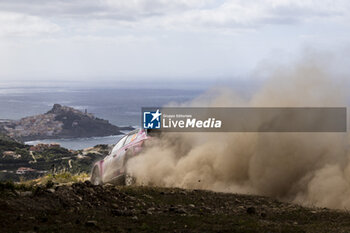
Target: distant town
[59,122]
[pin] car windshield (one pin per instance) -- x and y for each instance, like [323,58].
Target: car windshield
[130,138]
[118,145]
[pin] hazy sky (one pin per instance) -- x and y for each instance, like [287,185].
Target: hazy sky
[158,39]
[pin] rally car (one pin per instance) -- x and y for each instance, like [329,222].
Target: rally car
[112,168]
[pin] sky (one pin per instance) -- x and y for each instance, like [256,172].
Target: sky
[130,40]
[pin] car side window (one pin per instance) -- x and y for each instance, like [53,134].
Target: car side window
[118,146]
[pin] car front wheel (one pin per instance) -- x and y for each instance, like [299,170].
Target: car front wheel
[129,180]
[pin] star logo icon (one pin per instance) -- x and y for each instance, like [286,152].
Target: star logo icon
[151,119]
[156,115]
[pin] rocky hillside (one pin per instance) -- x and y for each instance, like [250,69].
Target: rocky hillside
[59,122]
[22,162]
[82,207]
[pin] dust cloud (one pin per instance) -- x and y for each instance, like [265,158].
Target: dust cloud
[306,168]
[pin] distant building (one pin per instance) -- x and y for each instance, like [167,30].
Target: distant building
[33,148]
[39,147]
[55,145]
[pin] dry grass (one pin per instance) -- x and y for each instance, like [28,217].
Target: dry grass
[58,178]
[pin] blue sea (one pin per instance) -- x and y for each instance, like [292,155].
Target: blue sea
[121,106]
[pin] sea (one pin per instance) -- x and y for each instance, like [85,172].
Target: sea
[121,106]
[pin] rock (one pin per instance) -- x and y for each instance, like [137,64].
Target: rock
[49,184]
[88,183]
[91,223]
[121,213]
[117,212]
[143,212]
[25,193]
[150,210]
[44,219]
[237,201]
[51,190]
[180,211]
[251,210]
[108,185]
[192,205]
[147,196]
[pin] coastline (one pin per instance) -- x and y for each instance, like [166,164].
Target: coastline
[61,122]
[78,143]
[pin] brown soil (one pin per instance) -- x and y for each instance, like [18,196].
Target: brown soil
[83,207]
